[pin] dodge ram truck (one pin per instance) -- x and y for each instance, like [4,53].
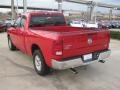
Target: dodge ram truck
[53,44]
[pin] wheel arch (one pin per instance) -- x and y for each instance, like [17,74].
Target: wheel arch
[8,35]
[37,47]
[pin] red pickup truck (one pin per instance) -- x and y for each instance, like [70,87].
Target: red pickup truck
[53,44]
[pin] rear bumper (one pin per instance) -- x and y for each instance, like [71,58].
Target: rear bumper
[71,63]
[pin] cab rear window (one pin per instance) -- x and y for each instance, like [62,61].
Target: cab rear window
[46,20]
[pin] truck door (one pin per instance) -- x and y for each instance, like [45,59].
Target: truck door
[14,32]
[20,34]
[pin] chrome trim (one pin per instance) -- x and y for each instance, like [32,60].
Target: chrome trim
[60,65]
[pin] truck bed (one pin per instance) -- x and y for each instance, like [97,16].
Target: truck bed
[78,41]
[63,29]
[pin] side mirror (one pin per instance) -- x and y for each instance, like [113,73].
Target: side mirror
[14,25]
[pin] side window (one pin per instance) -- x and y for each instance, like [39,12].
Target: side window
[22,22]
[17,22]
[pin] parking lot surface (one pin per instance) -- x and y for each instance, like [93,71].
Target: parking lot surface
[17,72]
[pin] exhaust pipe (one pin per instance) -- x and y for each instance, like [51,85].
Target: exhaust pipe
[74,71]
[102,61]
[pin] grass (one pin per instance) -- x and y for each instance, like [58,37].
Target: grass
[115,35]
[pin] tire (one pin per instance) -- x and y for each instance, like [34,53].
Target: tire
[11,45]
[5,29]
[39,63]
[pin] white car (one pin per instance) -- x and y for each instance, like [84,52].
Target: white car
[9,21]
[92,25]
[76,24]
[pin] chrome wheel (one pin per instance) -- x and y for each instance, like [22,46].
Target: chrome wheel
[38,63]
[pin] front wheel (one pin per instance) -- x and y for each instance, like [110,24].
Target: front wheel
[39,63]
[11,45]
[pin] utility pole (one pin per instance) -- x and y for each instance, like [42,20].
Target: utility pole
[17,7]
[25,6]
[12,9]
[91,6]
[110,14]
[59,5]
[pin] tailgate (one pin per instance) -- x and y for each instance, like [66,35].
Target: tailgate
[85,42]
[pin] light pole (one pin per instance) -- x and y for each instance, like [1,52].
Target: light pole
[25,6]
[59,5]
[91,6]
[17,7]
[110,14]
[12,9]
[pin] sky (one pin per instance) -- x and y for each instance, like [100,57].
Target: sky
[65,5]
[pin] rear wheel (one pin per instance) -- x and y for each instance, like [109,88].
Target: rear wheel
[39,63]
[11,45]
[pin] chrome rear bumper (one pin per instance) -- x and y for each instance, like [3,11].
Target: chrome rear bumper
[71,63]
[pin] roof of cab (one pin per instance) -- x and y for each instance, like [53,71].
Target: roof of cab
[42,13]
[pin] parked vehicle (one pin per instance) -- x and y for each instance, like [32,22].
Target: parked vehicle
[77,23]
[81,23]
[119,24]
[9,22]
[2,26]
[92,25]
[53,44]
[105,24]
[114,24]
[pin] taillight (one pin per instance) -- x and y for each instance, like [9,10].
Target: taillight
[58,48]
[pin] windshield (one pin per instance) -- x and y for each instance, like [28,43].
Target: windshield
[46,20]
